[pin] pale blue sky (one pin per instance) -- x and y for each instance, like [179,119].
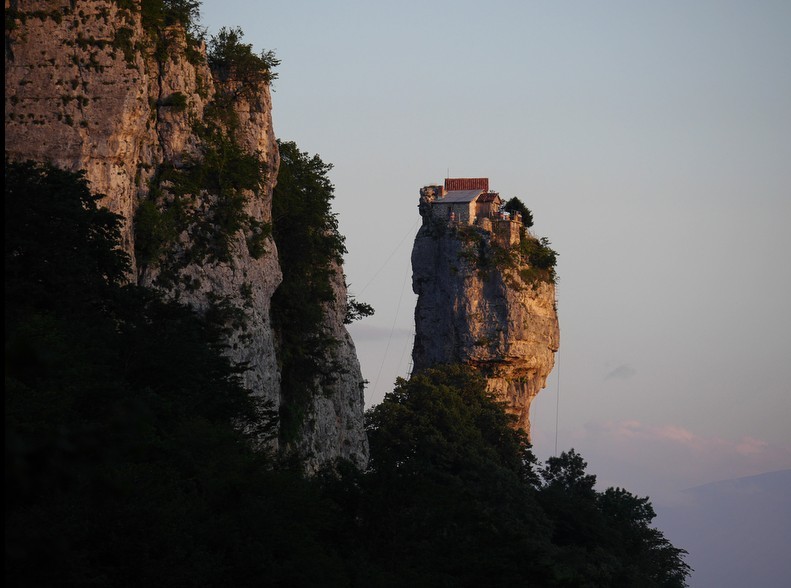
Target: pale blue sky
[652,140]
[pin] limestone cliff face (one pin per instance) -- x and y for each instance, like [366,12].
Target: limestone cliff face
[75,100]
[89,88]
[332,427]
[481,315]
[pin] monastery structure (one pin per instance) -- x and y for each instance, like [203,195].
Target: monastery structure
[468,201]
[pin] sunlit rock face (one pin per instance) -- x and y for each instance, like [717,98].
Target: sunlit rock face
[74,100]
[87,89]
[488,318]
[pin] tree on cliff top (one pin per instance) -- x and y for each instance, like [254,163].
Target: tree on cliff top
[516,205]
[163,13]
[233,60]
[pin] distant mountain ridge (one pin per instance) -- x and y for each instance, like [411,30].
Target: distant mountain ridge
[768,480]
[737,531]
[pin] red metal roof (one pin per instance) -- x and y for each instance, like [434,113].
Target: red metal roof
[452,184]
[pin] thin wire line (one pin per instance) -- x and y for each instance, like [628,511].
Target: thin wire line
[557,408]
[389,257]
[403,352]
[392,330]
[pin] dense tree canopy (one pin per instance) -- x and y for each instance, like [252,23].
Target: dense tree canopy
[59,246]
[123,466]
[451,488]
[454,491]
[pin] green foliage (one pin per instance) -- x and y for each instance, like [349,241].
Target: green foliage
[226,171]
[123,467]
[356,310]
[533,259]
[257,237]
[444,417]
[197,210]
[309,245]
[540,254]
[516,205]
[123,40]
[59,242]
[224,316]
[453,498]
[157,14]
[541,257]
[153,230]
[450,496]
[221,176]
[605,538]
[566,475]
[176,100]
[232,60]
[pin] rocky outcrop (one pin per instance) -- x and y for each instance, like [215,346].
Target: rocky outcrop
[334,423]
[497,317]
[88,87]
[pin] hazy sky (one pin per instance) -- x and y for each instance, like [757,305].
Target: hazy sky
[651,140]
